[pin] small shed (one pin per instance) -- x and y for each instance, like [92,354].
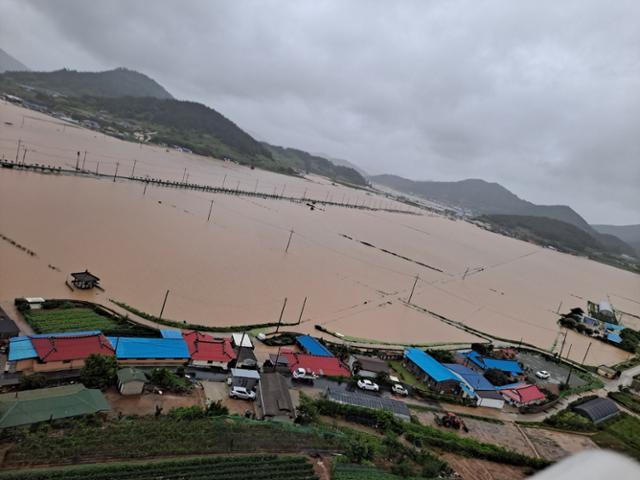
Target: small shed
[85,280]
[245,358]
[489,398]
[244,378]
[8,327]
[131,381]
[35,303]
[598,410]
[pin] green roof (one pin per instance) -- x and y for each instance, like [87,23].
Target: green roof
[33,406]
[126,375]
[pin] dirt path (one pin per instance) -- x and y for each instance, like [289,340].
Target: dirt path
[474,469]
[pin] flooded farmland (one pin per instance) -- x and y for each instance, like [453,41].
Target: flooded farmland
[355,267]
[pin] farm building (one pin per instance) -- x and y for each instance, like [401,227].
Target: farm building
[312,346]
[523,395]
[277,362]
[131,381]
[156,352]
[598,410]
[510,367]
[44,404]
[358,399]
[430,371]
[84,280]
[35,303]
[274,399]
[369,367]
[8,327]
[55,352]
[208,351]
[324,366]
[489,399]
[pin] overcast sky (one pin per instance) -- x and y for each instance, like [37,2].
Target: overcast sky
[540,96]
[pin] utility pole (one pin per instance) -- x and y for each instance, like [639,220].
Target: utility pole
[413,289]
[238,186]
[584,359]
[570,370]
[163,304]
[84,159]
[134,167]
[465,273]
[116,174]
[77,161]
[146,184]
[563,340]
[97,167]
[282,192]
[224,180]
[210,208]
[281,313]
[18,150]
[559,307]
[326,197]
[569,351]
[289,241]
[304,195]
[302,310]
[256,188]
[24,154]
[183,175]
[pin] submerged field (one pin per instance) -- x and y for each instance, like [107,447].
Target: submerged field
[355,267]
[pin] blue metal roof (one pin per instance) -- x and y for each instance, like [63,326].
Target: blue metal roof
[510,366]
[614,337]
[138,347]
[474,379]
[429,365]
[313,346]
[613,327]
[171,333]
[21,348]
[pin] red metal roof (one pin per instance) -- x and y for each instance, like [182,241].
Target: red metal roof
[205,347]
[62,348]
[328,366]
[525,394]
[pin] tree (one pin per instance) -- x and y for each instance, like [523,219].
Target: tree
[99,371]
[31,382]
[483,349]
[497,377]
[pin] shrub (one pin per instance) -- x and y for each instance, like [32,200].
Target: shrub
[31,382]
[497,377]
[99,371]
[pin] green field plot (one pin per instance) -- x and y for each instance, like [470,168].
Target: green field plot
[147,437]
[345,471]
[621,434]
[77,319]
[256,467]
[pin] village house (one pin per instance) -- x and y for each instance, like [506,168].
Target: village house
[151,352]
[510,367]
[429,370]
[476,386]
[523,395]
[54,352]
[323,366]
[368,367]
[207,351]
[84,280]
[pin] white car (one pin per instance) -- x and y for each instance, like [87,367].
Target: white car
[302,374]
[399,389]
[543,374]
[242,393]
[365,384]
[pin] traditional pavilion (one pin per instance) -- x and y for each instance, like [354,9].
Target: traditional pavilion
[85,280]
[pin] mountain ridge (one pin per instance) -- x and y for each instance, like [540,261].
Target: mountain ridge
[10,63]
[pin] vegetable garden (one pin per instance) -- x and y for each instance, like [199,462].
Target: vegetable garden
[70,318]
[256,467]
[90,441]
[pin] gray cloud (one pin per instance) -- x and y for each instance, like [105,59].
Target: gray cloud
[543,97]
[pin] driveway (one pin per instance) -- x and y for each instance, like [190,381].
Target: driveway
[219,391]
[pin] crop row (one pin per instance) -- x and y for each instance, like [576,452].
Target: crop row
[223,468]
[74,319]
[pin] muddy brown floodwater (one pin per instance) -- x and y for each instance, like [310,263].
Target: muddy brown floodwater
[233,270]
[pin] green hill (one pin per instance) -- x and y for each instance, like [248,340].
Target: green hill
[120,82]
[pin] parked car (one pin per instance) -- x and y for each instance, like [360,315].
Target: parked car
[365,384]
[304,375]
[543,374]
[399,389]
[242,393]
